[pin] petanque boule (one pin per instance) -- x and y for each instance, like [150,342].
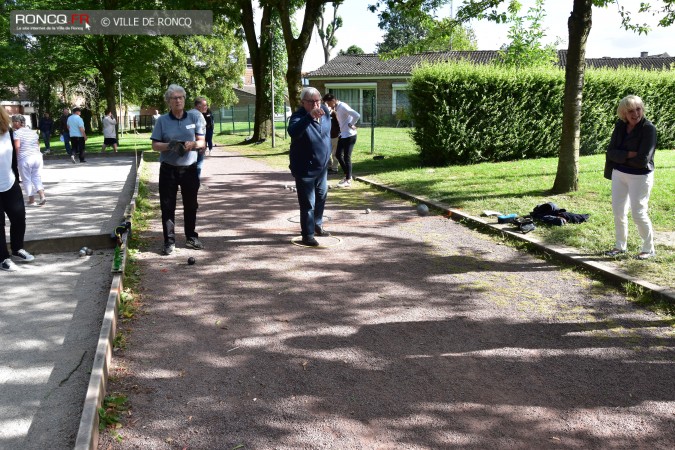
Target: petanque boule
[191,261]
[89,251]
[83,251]
[367,210]
[422,209]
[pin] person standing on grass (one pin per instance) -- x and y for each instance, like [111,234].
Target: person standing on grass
[11,200]
[347,119]
[63,128]
[29,159]
[78,136]
[109,131]
[629,164]
[178,136]
[46,127]
[309,129]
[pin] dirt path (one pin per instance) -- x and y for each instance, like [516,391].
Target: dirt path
[411,333]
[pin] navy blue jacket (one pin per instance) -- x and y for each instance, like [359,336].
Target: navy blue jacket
[641,140]
[310,143]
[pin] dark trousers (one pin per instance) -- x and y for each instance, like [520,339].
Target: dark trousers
[209,138]
[11,203]
[78,147]
[312,193]
[170,178]
[66,142]
[344,154]
[46,136]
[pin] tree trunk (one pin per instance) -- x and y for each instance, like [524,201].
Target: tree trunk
[297,47]
[260,62]
[579,25]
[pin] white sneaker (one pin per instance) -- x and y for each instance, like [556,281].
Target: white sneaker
[8,265]
[23,255]
[345,183]
[73,158]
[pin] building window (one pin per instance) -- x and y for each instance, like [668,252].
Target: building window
[361,97]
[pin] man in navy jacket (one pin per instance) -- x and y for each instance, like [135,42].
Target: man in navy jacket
[309,129]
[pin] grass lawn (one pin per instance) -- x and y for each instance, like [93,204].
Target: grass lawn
[512,187]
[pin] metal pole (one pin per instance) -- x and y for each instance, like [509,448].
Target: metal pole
[272,74]
[372,124]
[121,121]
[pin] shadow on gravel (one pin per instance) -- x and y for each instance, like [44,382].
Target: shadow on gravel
[413,333]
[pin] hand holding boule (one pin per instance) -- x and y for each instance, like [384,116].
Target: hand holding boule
[177,147]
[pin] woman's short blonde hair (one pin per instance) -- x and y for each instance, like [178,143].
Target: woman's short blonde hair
[5,121]
[627,103]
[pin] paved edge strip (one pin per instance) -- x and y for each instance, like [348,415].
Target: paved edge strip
[566,254]
[87,435]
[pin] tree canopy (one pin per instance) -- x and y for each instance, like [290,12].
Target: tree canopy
[408,32]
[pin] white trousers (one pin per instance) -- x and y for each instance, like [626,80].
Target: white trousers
[632,191]
[30,169]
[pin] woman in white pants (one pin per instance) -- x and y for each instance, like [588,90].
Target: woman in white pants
[30,160]
[629,164]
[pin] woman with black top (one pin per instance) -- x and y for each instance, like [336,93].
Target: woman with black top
[630,165]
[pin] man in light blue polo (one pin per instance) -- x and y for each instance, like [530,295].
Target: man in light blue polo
[178,136]
[77,135]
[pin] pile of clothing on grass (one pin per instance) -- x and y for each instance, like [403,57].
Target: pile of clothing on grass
[546,213]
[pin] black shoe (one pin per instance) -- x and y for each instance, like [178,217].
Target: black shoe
[310,242]
[194,243]
[168,248]
[333,171]
[319,231]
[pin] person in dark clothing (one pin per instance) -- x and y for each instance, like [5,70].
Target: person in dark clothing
[63,129]
[46,127]
[629,163]
[208,117]
[309,129]
[334,136]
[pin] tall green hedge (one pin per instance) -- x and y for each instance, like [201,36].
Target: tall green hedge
[467,113]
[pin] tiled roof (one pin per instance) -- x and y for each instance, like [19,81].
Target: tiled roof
[247,89]
[370,64]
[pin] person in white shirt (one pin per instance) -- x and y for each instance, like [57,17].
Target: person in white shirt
[109,131]
[29,160]
[347,119]
[11,200]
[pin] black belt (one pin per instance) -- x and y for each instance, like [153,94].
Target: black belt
[166,164]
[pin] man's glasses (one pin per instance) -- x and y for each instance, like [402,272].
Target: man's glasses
[177,98]
[309,100]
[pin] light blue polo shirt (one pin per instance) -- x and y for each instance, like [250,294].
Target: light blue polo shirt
[74,124]
[187,128]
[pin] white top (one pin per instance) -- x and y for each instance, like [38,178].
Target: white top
[347,118]
[109,123]
[29,145]
[6,175]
